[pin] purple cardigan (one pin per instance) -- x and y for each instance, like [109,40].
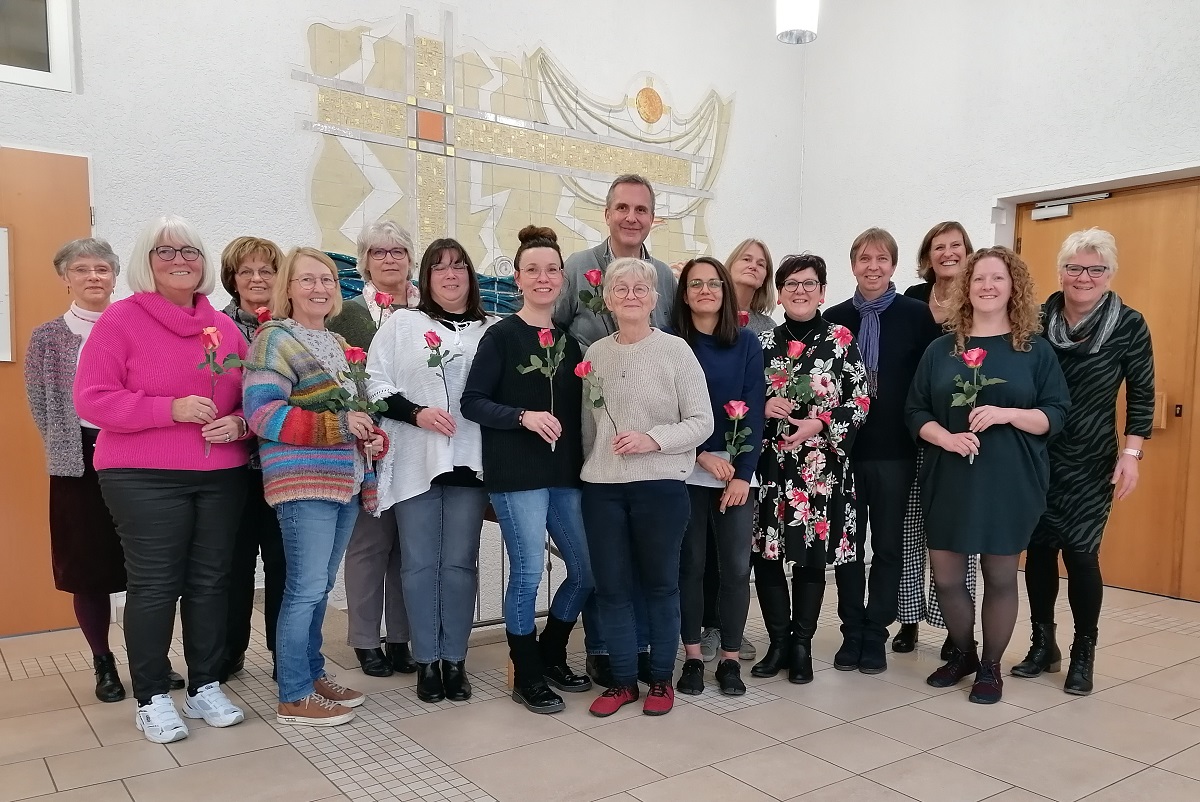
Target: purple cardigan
[49,378]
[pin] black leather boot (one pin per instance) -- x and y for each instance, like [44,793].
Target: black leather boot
[906,639]
[374,662]
[644,668]
[399,656]
[948,649]
[429,682]
[776,612]
[1043,653]
[529,685]
[1083,659]
[599,668]
[806,602]
[552,646]
[108,684]
[455,681]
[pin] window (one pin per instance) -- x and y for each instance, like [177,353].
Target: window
[37,43]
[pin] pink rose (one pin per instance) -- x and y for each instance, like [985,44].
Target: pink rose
[432,340]
[210,338]
[778,381]
[736,410]
[594,277]
[546,338]
[863,402]
[743,318]
[356,355]
[974,357]
[583,369]
[795,349]
[822,529]
[383,300]
[263,314]
[842,335]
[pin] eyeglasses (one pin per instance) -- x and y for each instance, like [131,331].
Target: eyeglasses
[309,282]
[538,272]
[102,271]
[793,285]
[713,284]
[380,253]
[167,253]
[638,291]
[457,267]
[266,272]
[1095,271]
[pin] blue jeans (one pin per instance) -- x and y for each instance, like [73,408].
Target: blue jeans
[593,633]
[439,549]
[525,516]
[315,534]
[635,531]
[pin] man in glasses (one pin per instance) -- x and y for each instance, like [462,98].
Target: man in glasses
[892,332]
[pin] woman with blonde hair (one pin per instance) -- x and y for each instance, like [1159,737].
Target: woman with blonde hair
[752,271]
[986,471]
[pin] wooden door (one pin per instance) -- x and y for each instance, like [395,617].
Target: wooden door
[1156,230]
[45,201]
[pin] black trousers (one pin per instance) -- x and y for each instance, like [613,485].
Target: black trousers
[177,529]
[731,530]
[258,532]
[881,488]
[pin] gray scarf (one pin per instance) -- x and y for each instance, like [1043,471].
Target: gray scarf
[1090,333]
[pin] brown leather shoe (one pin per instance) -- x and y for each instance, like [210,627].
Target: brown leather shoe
[313,711]
[328,689]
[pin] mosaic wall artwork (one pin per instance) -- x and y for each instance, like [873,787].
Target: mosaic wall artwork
[462,141]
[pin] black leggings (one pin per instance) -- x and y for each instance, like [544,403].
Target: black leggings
[1085,586]
[999,607]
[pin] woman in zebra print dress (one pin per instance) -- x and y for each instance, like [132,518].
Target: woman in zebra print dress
[1100,343]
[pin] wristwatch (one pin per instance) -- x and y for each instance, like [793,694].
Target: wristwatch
[1136,453]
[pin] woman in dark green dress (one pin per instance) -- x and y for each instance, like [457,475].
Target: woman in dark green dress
[984,481]
[1100,343]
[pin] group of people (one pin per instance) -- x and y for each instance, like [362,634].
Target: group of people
[654,422]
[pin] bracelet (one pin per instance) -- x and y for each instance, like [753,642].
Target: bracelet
[1133,452]
[521,417]
[417,410]
[243,428]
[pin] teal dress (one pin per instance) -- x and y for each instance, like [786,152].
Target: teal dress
[993,505]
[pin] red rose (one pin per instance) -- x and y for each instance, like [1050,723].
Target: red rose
[546,338]
[822,529]
[736,409]
[842,335]
[383,300]
[743,318]
[778,381]
[263,314]
[355,355]
[432,340]
[210,338]
[583,369]
[974,357]
[825,417]
[594,277]
[795,349]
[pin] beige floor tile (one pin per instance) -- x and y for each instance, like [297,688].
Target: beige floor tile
[801,772]
[36,695]
[1121,599]
[1186,647]
[982,717]
[471,731]
[931,779]
[1171,608]
[1149,700]
[1123,667]
[113,723]
[82,685]
[1151,784]
[44,644]
[354,678]
[1120,730]
[107,792]
[1110,632]
[1191,718]
[855,789]
[702,783]
[918,728]
[853,748]
[622,797]
[1160,656]
[279,773]
[848,695]
[1033,695]
[783,720]
[1183,679]
[210,743]
[685,739]
[1186,763]
[1017,795]
[573,768]
[44,734]
[1100,682]
[492,656]
[912,669]
[116,762]
[576,713]
[1037,761]
[23,780]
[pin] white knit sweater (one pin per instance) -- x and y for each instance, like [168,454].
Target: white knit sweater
[655,386]
[397,363]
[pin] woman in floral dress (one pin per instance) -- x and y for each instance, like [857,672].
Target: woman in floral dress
[816,400]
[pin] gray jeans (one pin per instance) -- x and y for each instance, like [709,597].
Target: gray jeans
[373,584]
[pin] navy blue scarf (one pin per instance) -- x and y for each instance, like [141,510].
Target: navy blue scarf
[868,332]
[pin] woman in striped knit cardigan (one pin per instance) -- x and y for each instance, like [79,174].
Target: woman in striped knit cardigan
[315,472]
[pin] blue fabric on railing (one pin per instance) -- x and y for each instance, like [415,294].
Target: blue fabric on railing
[498,293]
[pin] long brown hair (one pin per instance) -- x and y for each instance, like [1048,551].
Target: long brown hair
[924,265]
[1023,309]
[726,332]
[433,255]
[763,300]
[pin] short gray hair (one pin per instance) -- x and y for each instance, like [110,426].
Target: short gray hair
[629,178]
[384,233]
[632,268]
[86,247]
[1097,240]
[141,276]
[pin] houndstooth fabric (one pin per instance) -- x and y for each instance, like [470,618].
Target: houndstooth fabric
[912,605]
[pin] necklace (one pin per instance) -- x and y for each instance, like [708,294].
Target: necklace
[803,339]
[79,316]
[936,300]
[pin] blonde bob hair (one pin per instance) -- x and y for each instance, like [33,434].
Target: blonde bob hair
[1096,240]
[157,232]
[633,269]
[1024,312]
[763,300]
[281,304]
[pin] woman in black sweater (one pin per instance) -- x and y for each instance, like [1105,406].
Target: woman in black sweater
[524,394]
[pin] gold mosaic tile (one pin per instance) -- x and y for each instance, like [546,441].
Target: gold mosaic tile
[431,67]
[352,110]
[431,198]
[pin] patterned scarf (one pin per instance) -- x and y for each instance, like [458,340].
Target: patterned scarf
[868,332]
[1091,332]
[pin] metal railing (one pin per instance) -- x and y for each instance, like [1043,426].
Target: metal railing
[493,578]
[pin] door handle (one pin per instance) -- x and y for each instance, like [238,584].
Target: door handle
[1160,411]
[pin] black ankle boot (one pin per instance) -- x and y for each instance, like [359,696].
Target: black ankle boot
[906,639]
[429,682]
[599,668]
[400,658]
[455,682]
[644,668]
[806,605]
[1043,653]
[529,686]
[552,645]
[108,684]
[374,662]
[776,612]
[1083,658]
[948,649]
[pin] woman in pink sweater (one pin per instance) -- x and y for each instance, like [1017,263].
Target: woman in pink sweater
[171,456]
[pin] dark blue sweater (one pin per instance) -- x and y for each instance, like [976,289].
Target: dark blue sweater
[734,374]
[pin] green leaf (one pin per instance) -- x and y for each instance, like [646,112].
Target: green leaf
[535,360]
[434,360]
[958,400]
[526,369]
[745,449]
[994,381]
[202,365]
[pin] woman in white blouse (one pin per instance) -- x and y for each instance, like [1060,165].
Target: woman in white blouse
[431,473]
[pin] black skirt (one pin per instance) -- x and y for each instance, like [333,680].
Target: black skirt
[84,547]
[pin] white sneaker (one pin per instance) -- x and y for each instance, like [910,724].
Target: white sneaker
[159,721]
[211,704]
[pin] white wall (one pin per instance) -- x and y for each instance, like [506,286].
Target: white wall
[189,108]
[917,112]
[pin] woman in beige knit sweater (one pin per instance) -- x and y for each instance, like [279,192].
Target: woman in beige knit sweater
[646,409]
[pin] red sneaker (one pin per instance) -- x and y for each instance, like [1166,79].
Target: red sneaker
[660,699]
[614,699]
